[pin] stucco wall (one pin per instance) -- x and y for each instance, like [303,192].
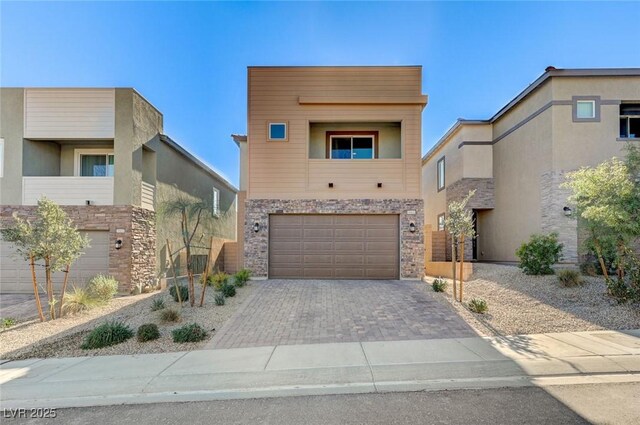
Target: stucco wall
[11,130]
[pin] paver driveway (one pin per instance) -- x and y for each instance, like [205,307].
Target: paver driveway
[282,312]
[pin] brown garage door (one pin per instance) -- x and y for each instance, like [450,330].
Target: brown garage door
[333,246]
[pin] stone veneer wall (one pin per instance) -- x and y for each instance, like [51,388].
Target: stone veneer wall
[133,264]
[552,201]
[411,244]
[483,199]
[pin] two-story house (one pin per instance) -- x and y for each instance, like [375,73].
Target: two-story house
[102,155]
[517,159]
[330,173]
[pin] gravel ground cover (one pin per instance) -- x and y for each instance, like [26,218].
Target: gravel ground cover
[62,337]
[521,304]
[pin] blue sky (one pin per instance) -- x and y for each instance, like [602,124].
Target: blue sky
[190,59]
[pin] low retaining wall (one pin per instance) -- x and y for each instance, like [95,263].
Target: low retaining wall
[443,269]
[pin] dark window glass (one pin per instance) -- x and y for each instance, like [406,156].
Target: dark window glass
[623,128]
[93,165]
[362,148]
[634,128]
[277,131]
[341,148]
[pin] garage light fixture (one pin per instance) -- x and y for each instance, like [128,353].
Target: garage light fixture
[567,211]
[118,243]
[256,227]
[412,227]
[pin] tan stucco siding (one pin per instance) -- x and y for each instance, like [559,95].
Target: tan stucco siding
[284,170]
[518,163]
[523,110]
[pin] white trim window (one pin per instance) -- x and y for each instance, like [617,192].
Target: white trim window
[278,131]
[215,203]
[440,171]
[441,222]
[352,146]
[630,120]
[1,157]
[94,162]
[585,109]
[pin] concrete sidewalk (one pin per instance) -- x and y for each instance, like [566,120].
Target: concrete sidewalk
[315,369]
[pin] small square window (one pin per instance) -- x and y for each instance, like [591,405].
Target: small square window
[585,109]
[278,131]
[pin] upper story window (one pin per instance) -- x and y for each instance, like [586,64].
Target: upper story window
[586,108]
[356,146]
[278,131]
[630,120]
[1,157]
[441,222]
[94,163]
[215,204]
[440,169]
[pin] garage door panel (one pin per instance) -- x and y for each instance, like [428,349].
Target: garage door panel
[334,246]
[15,272]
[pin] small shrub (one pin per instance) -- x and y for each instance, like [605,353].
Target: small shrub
[569,278]
[184,292]
[148,332]
[539,254]
[241,277]
[169,315]
[189,333]
[219,280]
[102,287]
[157,304]
[478,305]
[107,334]
[7,322]
[79,300]
[219,299]
[228,290]
[439,285]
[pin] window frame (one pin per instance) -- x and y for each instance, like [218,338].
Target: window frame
[596,108]
[442,186]
[78,153]
[329,135]
[443,216]
[627,118]
[215,202]
[1,157]
[286,131]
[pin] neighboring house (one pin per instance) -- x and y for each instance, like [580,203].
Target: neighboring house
[517,159]
[101,154]
[330,170]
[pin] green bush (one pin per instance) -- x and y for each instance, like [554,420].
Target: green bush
[219,299]
[169,315]
[439,285]
[569,278]
[157,304]
[189,333]
[107,334]
[539,254]
[219,280]
[228,290]
[148,332]
[241,277]
[184,292]
[478,305]
[102,287]
[79,300]
[7,322]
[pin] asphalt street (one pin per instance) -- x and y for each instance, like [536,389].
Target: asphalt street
[575,404]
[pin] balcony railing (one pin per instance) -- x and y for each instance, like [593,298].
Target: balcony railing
[68,190]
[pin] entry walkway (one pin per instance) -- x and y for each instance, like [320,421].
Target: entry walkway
[336,368]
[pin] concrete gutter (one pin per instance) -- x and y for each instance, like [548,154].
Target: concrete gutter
[320,369]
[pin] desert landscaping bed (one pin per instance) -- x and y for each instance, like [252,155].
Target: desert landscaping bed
[521,304]
[63,337]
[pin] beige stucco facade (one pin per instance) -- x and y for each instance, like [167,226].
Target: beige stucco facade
[526,149]
[298,175]
[45,131]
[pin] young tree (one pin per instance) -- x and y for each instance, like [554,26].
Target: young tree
[52,237]
[191,213]
[608,199]
[459,223]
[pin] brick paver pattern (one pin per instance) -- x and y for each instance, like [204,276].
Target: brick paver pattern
[284,312]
